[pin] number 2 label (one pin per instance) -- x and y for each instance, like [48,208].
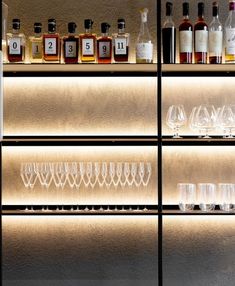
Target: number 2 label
[50,46]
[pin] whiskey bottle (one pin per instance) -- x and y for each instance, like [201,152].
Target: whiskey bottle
[16,43]
[104,45]
[230,34]
[121,43]
[169,36]
[88,43]
[51,43]
[35,45]
[71,45]
[215,37]
[186,37]
[144,46]
[200,37]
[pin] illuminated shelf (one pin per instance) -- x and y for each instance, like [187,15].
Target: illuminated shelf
[35,69]
[191,140]
[196,212]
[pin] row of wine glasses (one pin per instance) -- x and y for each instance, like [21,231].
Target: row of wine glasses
[203,119]
[87,174]
[208,196]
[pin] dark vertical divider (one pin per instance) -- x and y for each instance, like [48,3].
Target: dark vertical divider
[1,145]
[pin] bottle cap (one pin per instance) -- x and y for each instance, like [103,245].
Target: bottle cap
[121,23]
[200,8]
[169,7]
[51,25]
[105,27]
[88,23]
[215,9]
[185,9]
[16,24]
[37,28]
[72,27]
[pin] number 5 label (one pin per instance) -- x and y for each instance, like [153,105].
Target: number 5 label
[88,47]
[50,46]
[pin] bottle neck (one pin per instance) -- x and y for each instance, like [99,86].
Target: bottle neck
[121,31]
[186,17]
[201,17]
[15,31]
[88,31]
[105,35]
[37,35]
[169,19]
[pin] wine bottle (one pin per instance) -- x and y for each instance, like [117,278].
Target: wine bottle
[169,36]
[186,37]
[200,37]
[230,34]
[215,37]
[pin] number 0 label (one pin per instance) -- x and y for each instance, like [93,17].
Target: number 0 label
[14,46]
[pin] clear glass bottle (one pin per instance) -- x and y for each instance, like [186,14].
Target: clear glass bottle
[35,45]
[169,36]
[88,43]
[230,34]
[200,37]
[215,37]
[104,45]
[144,45]
[16,43]
[51,43]
[121,43]
[186,37]
[71,45]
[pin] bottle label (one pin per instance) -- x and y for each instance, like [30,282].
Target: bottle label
[144,51]
[201,41]
[120,46]
[104,50]
[50,46]
[230,41]
[70,49]
[186,41]
[232,6]
[216,42]
[87,47]
[14,46]
[36,50]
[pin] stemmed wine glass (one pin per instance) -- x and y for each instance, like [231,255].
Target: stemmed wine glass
[176,118]
[205,120]
[226,120]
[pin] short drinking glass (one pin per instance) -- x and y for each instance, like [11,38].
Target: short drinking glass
[187,196]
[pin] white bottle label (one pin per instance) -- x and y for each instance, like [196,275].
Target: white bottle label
[186,41]
[144,51]
[216,42]
[87,47]
[230,41]
[50,46]
[201,41]
[104,50]
[120,46]
[36,50]
[14,46]
[70,49]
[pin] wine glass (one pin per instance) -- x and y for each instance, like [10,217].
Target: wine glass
[149,173]
[227,120]
[193,121]
[133,173]
[176,118]
[141,173]
[206,117]
[127,172]
[119,175]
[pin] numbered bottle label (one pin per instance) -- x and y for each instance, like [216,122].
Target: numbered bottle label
[51,46]
[230,41]
[14,46]
[120,46]
[87,47]
[36,50]
[201,41]
[70,49]
[144,51]
[186,41]
[104,50]
[216,42]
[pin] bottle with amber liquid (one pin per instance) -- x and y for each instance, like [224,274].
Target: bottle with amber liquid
[51,43]
[71,45]
[169,36]
[35,45]
[104,45]
[230,34]
[88,43]
[215,37]
[186,37]
[121,43]
[200,37]
[16,43]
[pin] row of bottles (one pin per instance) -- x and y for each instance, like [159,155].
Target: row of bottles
[208,39]
[85,48]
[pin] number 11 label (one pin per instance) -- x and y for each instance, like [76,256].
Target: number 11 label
[50,46]
[88,47]
[120,46]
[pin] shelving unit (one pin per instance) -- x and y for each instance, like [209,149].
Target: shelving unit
[160,212]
